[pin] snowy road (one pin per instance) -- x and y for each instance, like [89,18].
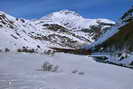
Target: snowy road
[20,71]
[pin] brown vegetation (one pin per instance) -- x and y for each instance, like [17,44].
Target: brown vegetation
[72,51]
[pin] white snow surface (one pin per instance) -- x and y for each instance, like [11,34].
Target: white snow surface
[22,71]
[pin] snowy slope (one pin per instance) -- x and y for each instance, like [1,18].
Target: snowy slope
[57,29]
[15,33]
[22,71]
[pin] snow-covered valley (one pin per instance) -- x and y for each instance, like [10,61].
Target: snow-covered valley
[24,71]
[28,59]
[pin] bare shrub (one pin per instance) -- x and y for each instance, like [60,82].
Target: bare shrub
[74,71]
[0,50]
[49,67]
[78,72]
[81,73]
[49,52]
[7,50]
[27,50]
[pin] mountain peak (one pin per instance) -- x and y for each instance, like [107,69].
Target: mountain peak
[68,12]
[63,14]
[73,20]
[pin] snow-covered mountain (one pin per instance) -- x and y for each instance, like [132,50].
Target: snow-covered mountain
[59,29]
[74,21]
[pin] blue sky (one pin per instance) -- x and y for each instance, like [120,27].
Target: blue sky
[30,9]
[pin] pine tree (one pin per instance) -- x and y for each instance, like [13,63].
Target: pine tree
[128,16]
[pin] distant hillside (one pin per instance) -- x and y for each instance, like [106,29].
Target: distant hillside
[122,40]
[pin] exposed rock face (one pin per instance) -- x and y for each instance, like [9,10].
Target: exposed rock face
[4,21]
